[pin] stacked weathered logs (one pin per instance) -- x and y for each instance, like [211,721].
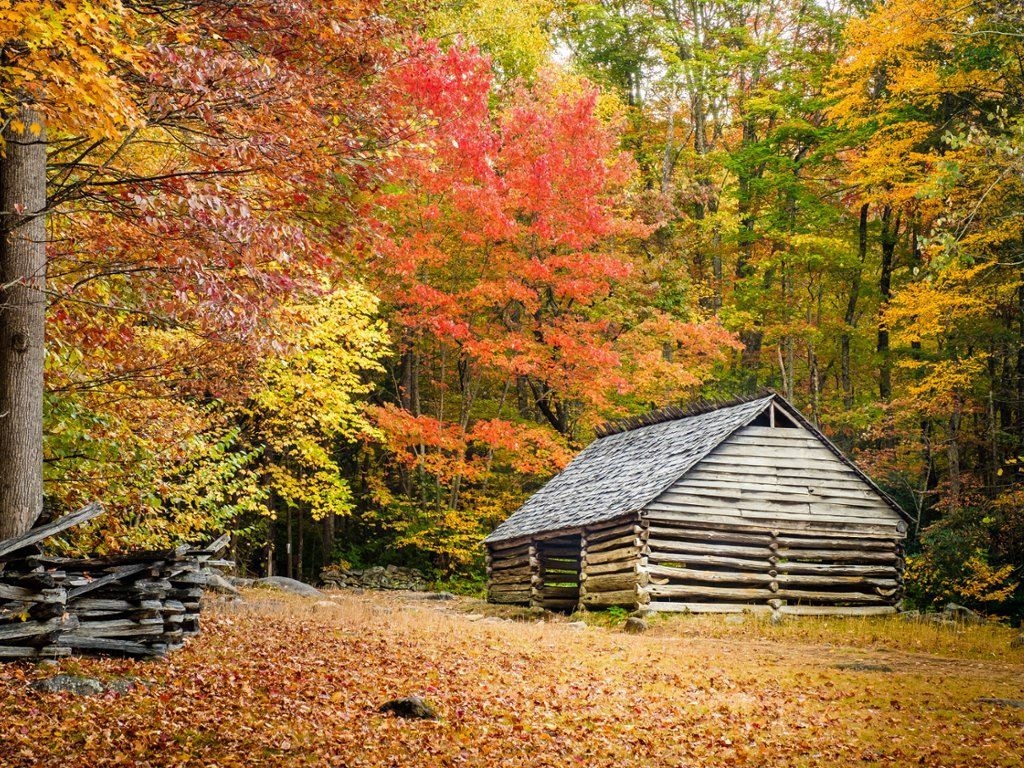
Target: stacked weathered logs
[141,604]
[509,572]
[556,581]
[612,573]
[699,567]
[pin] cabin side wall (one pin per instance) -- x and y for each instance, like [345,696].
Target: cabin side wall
[774,521]
[597,566]
[612,564]
[510,569]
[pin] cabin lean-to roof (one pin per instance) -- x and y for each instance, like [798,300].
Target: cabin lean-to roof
[624,471]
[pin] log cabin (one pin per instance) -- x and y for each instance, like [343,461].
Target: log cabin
[720,508]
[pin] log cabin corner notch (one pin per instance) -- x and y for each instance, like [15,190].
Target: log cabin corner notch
[726,508]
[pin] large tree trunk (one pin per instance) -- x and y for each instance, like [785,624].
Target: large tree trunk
[22,319]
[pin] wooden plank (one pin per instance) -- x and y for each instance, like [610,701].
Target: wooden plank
[18,652]
[549,592]
[120,573]
[690,534]
[519,577]
[632,529]
[789,450]
[709,577]
[510,587]
[600,529]
[800,580]
[827,596]
[120,627]
[716,607]
[701,548]
[107,645]
[778,461]
[624,554]
[11,592]
[838,556]
[790,567]
[622,597]
[814,542]
[837,610]
[509,544]
[806,441]
[697,518]
[726,594]
[672,518]
[591,570]
[34,536]
[30,629]
[612,582]
[512,563]
[784,494]
[629,540]
[841,483]
[760,507]
[710,560]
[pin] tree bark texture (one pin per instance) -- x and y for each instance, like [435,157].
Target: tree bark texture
[22,318]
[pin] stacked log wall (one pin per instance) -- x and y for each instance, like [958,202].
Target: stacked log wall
[142,604]
[510,569]
[773,518]
[556,582]
[704,567]
[613,566]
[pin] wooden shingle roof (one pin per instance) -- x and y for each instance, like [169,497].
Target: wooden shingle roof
[625,471]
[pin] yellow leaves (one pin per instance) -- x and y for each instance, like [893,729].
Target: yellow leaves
[927,311]
[71,59]
[309,397]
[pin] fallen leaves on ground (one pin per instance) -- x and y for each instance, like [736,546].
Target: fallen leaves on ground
[280,683]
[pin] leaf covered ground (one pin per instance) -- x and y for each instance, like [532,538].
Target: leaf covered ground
[282,681]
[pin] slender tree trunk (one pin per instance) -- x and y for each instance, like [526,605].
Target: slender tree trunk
[271,532]
[410,395]
[289,563]
[298,555]
[889,237]
[953,456]
[851,309]
[22,318]
[327,528]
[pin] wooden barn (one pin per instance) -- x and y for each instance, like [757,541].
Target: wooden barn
[726,508]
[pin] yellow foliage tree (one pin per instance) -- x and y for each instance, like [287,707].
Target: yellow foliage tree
[309,397]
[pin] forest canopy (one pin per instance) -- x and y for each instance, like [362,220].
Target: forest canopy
[351,279]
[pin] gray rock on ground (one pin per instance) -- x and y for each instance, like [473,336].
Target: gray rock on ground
[86,686]
[635,626]
[1010,703]
[217,583]
[962,614]
[374,577]
[284,584]
[76,684]
[410,707]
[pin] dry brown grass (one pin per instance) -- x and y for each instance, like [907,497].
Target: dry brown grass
[280,681]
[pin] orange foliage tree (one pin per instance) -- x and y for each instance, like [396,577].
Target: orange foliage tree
[505,259]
